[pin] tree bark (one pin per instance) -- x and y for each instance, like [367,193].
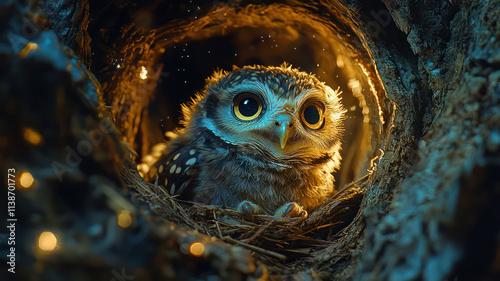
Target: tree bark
[430,208]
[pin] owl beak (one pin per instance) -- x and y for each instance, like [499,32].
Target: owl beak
[283,133]
[283,129]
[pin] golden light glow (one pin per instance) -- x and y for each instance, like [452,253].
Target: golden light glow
[32,136]
[144,73]
[197,249]
[124,219]
[373,89]
[340,62]
[355,86]
[27,49]
[26,179]
[353,83]
[47,241]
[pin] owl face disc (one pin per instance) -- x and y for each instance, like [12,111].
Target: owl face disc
[278,111]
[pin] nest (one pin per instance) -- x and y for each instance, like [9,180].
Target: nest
[272,239]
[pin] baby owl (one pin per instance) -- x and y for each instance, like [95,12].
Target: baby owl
[263,140]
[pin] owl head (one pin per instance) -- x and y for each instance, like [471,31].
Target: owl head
[285,116]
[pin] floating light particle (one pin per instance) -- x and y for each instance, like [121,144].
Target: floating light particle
[144,73]
[31,136]
[26,179]
[118,66]
[197,249]
[124,219]
[47,241]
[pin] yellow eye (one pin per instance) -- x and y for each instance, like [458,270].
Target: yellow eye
[312,115]
[247,106]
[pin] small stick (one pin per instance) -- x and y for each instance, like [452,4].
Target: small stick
[255,248]
[258,232]
[218,228]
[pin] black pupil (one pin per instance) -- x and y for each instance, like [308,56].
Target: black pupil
[311,114]
[248,107]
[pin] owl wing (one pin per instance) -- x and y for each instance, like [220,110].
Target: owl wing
[177,172]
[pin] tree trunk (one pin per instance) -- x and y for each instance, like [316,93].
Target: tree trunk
[429,209]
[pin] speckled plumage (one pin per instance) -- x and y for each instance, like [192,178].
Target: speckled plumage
[219,159]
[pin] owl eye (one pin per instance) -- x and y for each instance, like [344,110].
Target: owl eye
[312,115]
[247,106]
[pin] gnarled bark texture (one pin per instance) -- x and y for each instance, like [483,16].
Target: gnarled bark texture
[430,210]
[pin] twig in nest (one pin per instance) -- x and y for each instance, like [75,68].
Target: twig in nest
[218,229]
[255,248]
[259,232]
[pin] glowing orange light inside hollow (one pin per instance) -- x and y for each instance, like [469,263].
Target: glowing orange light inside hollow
[47,241]
[31,136]
[144,73]
[197,249]
[26,179]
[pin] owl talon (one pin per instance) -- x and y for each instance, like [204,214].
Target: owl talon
[249,209]
[291,210]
